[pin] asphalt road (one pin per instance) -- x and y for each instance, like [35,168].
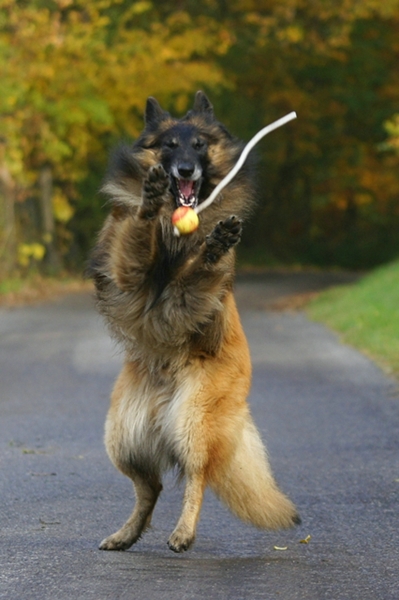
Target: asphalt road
[330,419]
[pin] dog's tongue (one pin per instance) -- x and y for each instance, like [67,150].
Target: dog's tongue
[186,187]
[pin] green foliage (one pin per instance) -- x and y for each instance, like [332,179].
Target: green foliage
[366,314]
[74,79]
[76,74]
[329,195]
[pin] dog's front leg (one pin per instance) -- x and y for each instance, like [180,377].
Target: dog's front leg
[225,235]
[134,248]
[184,534]
[155,187]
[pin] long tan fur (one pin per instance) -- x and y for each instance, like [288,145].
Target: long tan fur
[180,398]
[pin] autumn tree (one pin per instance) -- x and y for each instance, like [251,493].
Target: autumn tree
[73,80]
[76,74]
[328,194]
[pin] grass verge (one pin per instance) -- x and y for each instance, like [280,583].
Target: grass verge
[366,314]
[21,291]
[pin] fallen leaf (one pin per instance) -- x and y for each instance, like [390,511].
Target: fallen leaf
[306,540]
[49,522]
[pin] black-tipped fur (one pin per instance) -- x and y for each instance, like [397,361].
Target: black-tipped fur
[144,184]
[180,399]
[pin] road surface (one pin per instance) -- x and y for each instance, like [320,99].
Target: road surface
[330,419]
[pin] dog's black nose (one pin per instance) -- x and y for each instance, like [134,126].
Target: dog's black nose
[185,170]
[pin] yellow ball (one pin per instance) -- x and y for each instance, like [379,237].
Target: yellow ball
[185,219]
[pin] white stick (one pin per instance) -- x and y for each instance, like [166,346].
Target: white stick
[231,174]
[243,156]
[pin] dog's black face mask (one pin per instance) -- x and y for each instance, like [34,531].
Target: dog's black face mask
[183,147]
[183,158]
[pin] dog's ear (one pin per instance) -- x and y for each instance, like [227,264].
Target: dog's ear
[202,104]
[154,114]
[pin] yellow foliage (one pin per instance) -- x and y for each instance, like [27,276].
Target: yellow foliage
[62,209]
[392,128]
[26,252]
[70,76]
[292,34]
[141,7]
[364,198]
[75,76]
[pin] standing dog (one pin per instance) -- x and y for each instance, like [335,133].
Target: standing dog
[180,399]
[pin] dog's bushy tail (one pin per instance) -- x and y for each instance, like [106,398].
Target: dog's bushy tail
[246,485]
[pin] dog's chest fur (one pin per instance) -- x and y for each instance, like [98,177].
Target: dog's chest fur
[149,417]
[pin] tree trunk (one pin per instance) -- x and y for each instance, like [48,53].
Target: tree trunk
[51,259]
[7,223]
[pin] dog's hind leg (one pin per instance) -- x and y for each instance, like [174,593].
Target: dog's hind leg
[147,492]
[184,534]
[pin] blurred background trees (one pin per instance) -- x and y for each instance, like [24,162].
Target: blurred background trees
[75,76]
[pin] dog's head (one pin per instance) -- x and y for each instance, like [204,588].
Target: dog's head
[186,148]
[196,151]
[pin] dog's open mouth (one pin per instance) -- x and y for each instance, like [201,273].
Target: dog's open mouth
[186,191]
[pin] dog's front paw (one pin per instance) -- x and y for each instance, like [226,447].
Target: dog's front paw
[180,540]
[155,187]
[225,235]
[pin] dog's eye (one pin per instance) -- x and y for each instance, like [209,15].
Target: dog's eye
[198,144]
[171,144]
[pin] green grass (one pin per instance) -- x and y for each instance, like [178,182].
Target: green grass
[11,285]
[16,291]
[366,314]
